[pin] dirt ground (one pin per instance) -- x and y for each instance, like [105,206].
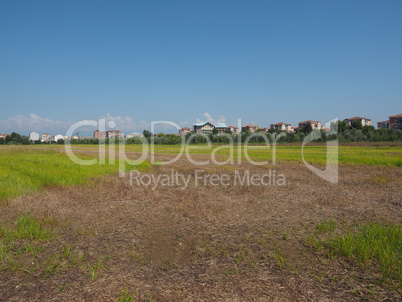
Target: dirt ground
[203,243]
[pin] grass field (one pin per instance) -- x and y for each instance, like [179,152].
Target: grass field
[315,154]
[24,170]
[84,233]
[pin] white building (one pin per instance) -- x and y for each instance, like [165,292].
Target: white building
[132,135]
[56,137]
[33,136]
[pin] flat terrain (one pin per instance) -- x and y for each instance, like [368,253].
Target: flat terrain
[97,235]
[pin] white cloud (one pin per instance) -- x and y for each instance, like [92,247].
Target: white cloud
[26,124]
[32,123]
[127,124]
[209,118]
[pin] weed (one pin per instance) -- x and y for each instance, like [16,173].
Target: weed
[125,296]
[279,258]
[31,228]
[92,273]
[326,226]
[29,248]
[66,251]
[314,242]
[232,271]
[143,261]
[134,256]
[76,259]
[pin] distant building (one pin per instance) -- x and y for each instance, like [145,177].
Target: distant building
[203,128]
[395,121]
[184,130]
[56,138]
[234,129]
[45,137]
[114,134]
[282,127]
[4,135]
[265,129]
[383,125]
[221,127]
[315,125]
[364,121]
[250,128]
[33,136]
[99,134]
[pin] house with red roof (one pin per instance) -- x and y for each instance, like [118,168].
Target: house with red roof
[184,130]
[395,121]
[282,127]
[250,128]
[364,121]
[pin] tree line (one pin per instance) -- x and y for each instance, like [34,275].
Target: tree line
[340,130]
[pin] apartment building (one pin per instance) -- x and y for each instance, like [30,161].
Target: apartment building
[56,138]
[250,128]
[184,130]
[234,129]
[45,137]
[204,128]
[114,134]
[395,121]
[33,136]
[315,125]
[383,125]
[282,127]
[132,135]
[221,127]
[99,134]
[265,129]
[364,121]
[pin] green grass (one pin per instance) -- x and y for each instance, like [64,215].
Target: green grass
[314,154]
[25,235]
[369,245]
[24,170]
[326,226]
[27,227]
[125,296]
[372,243]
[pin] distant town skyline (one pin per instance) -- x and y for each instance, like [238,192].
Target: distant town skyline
[188,61]
[127,125]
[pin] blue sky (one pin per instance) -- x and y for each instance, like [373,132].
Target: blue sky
[183,61]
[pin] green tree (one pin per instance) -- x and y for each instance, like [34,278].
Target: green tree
[8,139]
[357,125]
[307,128]
[147,134]
[25,140]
